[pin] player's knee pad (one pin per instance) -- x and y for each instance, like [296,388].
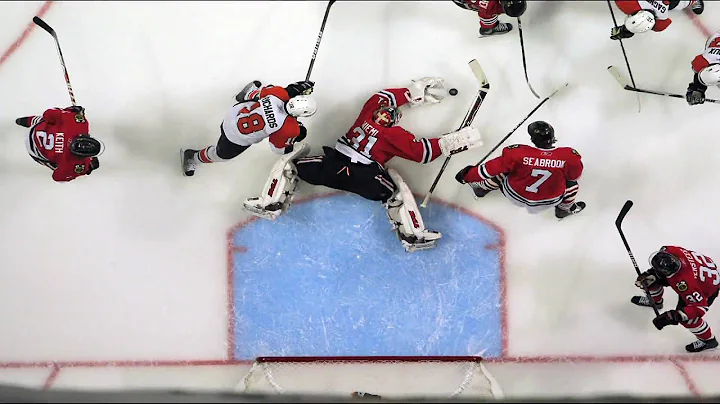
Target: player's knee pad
[279,188]
[403,212]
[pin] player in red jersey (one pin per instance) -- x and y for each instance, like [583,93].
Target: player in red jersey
[488,12]
[695,278]
[534,177]
[357,163]
[60,140]
[646,15]
[706,71]
[260,112]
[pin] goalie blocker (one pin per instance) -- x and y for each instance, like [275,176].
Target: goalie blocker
[357,163]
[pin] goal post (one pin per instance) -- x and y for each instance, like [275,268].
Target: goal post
[384,376]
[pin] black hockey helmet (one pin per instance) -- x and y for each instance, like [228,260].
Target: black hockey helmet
[86,146]
[514,8]
[387,116]
[542,134]
[665,263]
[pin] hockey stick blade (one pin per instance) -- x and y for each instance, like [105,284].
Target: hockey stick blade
[615,72]
[623,212]
[42,24]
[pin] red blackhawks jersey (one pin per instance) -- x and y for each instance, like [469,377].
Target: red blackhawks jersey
[530,175]
[710,56]
[367,142]
[696,281]
[659,8]
[49,143]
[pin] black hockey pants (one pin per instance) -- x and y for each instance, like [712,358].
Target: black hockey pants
[335,170]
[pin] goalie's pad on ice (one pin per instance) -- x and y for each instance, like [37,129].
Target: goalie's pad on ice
[279,187]
[456,142]
[405,217]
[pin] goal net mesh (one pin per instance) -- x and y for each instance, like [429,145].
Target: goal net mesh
[383,376]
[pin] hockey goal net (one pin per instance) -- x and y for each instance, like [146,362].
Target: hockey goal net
[389,377]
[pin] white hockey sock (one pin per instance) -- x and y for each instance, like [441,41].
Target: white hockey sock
[208,155]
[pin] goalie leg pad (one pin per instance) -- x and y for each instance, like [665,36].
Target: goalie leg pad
[404,215]
[279,188]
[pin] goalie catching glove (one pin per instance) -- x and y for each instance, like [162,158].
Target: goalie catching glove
[427,90]
[456,142]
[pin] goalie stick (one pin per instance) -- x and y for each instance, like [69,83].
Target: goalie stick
[615,72]
[618,223]
[469,117]
[42,24]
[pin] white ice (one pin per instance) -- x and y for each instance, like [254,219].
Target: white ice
[130,264]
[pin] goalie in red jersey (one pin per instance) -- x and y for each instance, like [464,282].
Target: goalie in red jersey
[695,278]
[357,162]
[60,140]
[533,177]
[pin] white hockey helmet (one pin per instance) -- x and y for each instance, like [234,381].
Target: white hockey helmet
[301,105]
[640,22]
[710,76]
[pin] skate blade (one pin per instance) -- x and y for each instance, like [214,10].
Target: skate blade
[413,247]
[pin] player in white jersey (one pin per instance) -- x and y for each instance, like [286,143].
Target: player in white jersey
[646,15]
[261,112]
[706,69]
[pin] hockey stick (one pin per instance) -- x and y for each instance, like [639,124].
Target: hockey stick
[522,49]
[627,62]
[469,117]
[618,76]
[42,24]
[618,223]
[319,38]
[521,122]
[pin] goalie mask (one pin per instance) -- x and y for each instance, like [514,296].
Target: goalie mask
[665,263]
[387,116]
[86,146]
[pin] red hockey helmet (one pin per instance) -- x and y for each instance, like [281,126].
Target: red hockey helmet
[665,263]
[86,146]
[387,116]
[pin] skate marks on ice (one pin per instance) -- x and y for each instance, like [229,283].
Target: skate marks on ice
[330,278]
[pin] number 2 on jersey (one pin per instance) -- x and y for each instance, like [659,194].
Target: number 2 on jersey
[544,176]
[363,147]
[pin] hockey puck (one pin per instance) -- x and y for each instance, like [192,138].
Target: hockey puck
[453,91]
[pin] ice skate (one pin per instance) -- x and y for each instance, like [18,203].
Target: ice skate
[188,162]
[645,302]
[701,345]
[574,210]
[499,29]
[412,243]
[480,192]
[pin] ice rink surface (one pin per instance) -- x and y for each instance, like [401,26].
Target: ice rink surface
[131,266]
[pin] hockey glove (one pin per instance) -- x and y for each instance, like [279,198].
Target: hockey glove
[670,317]
[620,32]
[460,176]
[300,87]
[695,93]
[94,165]
[646,279]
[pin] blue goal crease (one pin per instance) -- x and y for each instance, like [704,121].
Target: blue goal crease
[330,278]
